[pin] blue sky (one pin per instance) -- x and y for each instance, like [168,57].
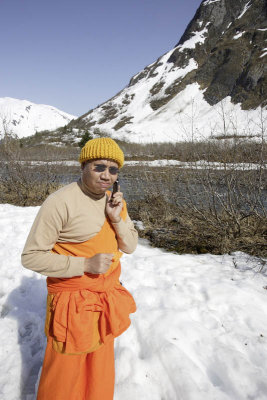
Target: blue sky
[75,55]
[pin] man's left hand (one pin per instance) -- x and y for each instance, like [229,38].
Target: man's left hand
[114,206]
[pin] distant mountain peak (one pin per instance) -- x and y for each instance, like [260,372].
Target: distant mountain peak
[24,118]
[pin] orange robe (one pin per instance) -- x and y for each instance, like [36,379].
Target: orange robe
[84,314]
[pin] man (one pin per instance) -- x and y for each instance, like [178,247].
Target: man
[75,241]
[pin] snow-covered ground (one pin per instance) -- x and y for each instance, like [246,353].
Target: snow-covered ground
[201,164]
[199,333]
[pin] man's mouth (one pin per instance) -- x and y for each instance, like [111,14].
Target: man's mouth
[105,184]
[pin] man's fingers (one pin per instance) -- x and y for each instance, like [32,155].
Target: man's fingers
[108,256]
[99,263]
[117,194]
[117,199]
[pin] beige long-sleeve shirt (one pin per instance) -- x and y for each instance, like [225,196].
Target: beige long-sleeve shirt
[70,215]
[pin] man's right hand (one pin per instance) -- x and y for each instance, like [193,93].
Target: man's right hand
[98,264]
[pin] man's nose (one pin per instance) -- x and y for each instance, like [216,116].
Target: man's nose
[105,174]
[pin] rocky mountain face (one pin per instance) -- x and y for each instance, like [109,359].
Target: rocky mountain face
[218,66]
[23,118]
[231,60]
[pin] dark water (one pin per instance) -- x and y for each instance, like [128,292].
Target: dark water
[136,186]
[175,184]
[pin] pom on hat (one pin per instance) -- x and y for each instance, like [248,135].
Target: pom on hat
[102,148]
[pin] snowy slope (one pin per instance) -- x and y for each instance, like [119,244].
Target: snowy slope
[212,83]
[199,332]
[187,116]
[23,118]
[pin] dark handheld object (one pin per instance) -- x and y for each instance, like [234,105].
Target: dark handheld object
[115,188]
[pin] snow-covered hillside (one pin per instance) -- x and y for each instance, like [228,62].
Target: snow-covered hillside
[212,83]
[199,332]
[187,116]
[23,118]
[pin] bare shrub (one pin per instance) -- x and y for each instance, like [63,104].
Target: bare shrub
[216,202]
[21,182]
[199,211]
[208,206]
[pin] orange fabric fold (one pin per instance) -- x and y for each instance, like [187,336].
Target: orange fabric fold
[84,311]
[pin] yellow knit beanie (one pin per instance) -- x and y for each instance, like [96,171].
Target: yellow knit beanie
[102,148]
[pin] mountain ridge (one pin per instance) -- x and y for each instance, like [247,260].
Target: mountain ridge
[24,118]
[216,67]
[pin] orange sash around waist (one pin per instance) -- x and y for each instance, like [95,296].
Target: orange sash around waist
[84,311]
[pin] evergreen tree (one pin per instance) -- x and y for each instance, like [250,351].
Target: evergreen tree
[86,136]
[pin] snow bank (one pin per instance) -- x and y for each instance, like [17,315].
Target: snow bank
[208,2]
[199,331]
[201,164]
[247,6]
[198,37]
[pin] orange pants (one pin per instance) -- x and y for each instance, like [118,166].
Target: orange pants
[88,376]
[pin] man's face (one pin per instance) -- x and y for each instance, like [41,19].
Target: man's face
[98,175]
